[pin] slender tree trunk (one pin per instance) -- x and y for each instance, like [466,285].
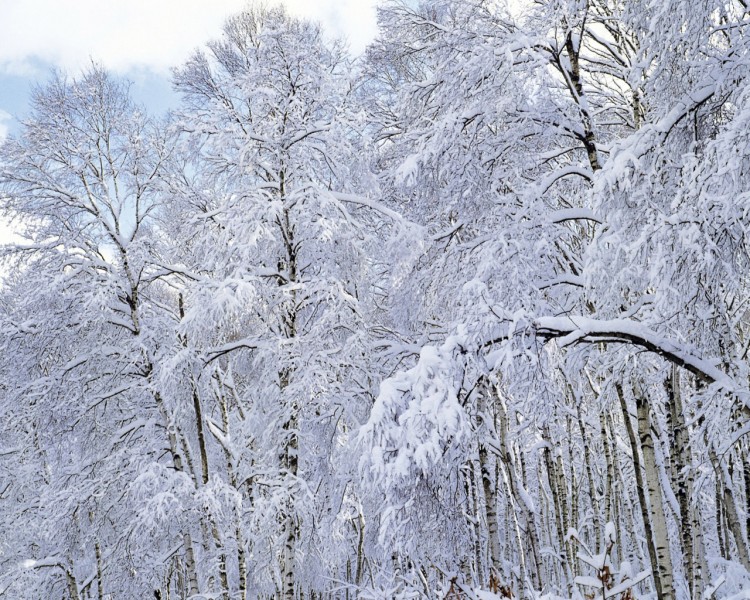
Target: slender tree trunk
[653,482]
[565,516]
[489,487]
[470,485]
[560,510]
[596,521]
[99,578]
[198,412]
[702,574]
[609,499]
[515,504]
[720,529]
[573,487]
[609,485]
[291,449]
[232,475]
[493,529]
[290,526]
[682,481]
[479,566]
[531,525]
[575,86]
[726,498]
[360,547]
[641,489]
[192,574]
[203,452]
[72,585]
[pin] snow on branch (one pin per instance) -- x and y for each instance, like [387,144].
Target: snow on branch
[652,135]
[546,183]
[417,415]
[564,279]
[373,205]
[243,344]
[575,329]
[574,214]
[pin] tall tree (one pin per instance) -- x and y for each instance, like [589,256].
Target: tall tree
[278,289]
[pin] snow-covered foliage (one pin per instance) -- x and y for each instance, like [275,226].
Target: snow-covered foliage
[464,318]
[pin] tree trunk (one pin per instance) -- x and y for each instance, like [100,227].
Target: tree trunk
[72,585]
[290,459]
[682,480]
[360,547]
[99,579]
[187,542]
[573,80]
[489,487]
[470,485]
[573,487]
[726,498]
[232,475]
[565,517]
[290,526]
[509,477]
[640,488]
[653,482]
[531,526]
[596,521]
[610,516]
[560,512]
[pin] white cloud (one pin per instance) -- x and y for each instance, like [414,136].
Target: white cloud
[152,34]
[352,19]
[4,116]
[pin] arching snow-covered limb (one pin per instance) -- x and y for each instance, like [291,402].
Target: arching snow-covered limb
[633,148]
[574,329]
[245,343]
[574,214]
[373,205]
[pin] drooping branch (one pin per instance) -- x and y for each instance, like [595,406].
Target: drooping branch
[575,329]
[243,344]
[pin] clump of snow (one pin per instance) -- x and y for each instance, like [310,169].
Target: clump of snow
[417,415]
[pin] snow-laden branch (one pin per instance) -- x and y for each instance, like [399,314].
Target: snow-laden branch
[563,279]
[319,128]
[243,344]
[574,214]
[574,329]
[546,183]
[373,205]
[630,150]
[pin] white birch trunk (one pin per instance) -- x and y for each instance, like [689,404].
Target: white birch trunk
[489,486]
[726,497]
[681,479]
[192,574]
[653,484]
[640,489]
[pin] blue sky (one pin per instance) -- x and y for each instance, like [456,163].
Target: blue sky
[138,39]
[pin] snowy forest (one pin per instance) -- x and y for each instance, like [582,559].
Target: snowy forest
[466,317]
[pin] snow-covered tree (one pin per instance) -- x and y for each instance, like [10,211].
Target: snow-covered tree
[285,249]
[466,318]
[80,182]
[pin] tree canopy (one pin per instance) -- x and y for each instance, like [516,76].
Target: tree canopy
[465,317]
